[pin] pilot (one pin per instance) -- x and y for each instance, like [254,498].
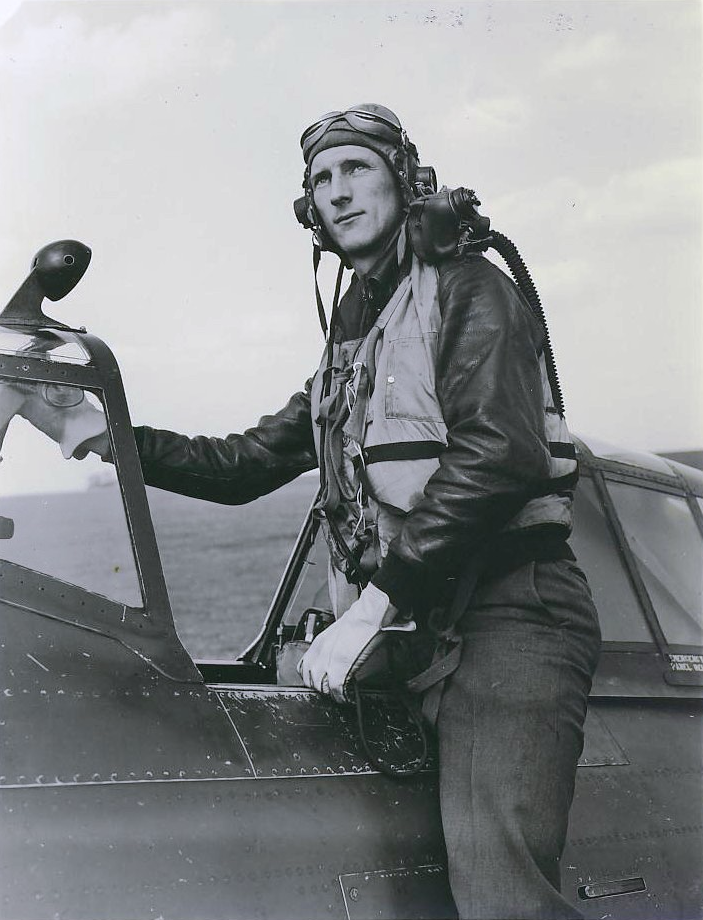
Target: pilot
[446,499]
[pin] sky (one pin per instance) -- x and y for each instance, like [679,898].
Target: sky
[165,135]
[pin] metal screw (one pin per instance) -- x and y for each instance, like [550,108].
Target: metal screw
[354,894]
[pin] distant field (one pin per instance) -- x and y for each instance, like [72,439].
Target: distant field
[221,563]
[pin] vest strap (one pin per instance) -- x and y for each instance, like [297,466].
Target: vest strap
[427,450]
[562,450]
[558,485]
[402,450]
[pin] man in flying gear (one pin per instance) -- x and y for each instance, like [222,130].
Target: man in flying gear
[447,476]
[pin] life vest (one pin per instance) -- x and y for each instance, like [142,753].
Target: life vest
[382,407]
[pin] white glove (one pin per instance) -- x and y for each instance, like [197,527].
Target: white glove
[63,413]
[340,650]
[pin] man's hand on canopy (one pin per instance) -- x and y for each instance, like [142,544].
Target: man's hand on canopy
[62,412]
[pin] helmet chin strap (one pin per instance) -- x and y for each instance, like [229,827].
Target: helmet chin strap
[316,256]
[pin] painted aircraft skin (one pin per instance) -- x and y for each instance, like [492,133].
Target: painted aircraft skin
[136,783]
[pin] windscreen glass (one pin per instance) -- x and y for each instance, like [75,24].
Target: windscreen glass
[668,548]
[619,611]
[222,563]
[61,510]
[51,345]
[312,588]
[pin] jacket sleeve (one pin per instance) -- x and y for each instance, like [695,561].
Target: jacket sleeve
[489,387]
[237,468]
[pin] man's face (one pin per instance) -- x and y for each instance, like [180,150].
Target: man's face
[357,197]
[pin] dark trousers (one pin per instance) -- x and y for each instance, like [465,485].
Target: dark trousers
[510,732]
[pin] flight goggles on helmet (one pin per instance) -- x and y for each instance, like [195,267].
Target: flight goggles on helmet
[362,120]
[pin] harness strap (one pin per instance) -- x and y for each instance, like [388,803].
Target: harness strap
[333,415]
[445,661]
[447,654]
[440,668]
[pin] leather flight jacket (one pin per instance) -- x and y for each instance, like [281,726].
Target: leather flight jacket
[495,471]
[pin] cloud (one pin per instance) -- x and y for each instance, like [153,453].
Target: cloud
[592,54]
[565,275]
[491,117]
[664,194]
[550,202]
[90,63]
[659,196]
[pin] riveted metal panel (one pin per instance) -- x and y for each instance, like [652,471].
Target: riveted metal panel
[297,732]
[222,850]
[152,639]
[78,707]
[600,747]
[643,819]
[636,673]
[421,893]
